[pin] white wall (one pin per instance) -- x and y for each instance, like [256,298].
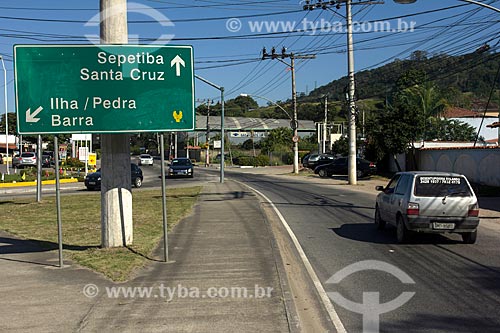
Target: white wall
[481,165]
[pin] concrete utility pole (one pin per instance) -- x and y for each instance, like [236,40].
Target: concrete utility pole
[324,125]
[295,119]
[352,103]
[295,123]
[207,136]
[116,195]
[309,5]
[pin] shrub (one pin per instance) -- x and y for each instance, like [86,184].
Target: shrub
[74,163]
[261,160]
[245,160]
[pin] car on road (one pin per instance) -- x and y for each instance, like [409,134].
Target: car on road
[315,160]
[428,202]
[181,167]
[145,159]
[339,166]
[26,159]
[93,180]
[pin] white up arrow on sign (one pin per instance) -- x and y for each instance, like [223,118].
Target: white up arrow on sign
[30,117]
[178,62]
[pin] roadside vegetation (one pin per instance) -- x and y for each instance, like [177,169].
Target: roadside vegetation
[82,227]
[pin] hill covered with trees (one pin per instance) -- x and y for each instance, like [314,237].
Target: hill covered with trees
[460,79]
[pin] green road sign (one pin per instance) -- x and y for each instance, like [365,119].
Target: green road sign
[103,89]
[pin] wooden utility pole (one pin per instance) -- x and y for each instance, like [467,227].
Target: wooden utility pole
[116,195]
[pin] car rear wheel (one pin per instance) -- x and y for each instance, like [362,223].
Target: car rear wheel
[469,237]
[138,182]
[359,173]
[322,173]
[378,220]
[403,234]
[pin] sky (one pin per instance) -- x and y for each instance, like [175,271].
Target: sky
[228,37]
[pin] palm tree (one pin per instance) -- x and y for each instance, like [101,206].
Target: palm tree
[428,101]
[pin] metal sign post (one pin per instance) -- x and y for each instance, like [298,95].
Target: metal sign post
[164,199]
[58,202]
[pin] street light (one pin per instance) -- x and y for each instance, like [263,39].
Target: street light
[270,101]
[221,89]
[6,116]
[293,124]
[405,2]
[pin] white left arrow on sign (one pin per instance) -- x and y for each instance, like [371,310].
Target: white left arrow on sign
[30,117]
[178,62]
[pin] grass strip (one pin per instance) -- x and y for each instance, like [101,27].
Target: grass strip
[81,224]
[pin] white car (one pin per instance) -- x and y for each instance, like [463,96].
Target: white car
[428,202]
[145,159]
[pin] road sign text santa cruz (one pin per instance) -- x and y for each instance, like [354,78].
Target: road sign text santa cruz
[104,89]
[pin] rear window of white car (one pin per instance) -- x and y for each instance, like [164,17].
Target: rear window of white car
[440,186]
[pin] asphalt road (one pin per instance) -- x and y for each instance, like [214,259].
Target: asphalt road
[152,179]
[456,286]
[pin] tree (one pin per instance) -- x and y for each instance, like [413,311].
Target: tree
[247,145]
[245,103]
[12,122]
[278,139]
[427,98]
[450,130]
[341,146]
[390,132]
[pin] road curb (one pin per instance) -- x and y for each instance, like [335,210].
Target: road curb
[44,182]
[327,306]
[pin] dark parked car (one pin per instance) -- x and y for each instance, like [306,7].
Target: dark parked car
[47,161]
[340,167]
[315,160]
[181,167]
[93,180]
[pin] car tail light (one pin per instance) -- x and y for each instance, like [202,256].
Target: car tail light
[372,165]
[473,211]
[412,209]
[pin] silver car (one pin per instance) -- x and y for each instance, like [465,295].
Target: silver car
[428,202]
[27,159]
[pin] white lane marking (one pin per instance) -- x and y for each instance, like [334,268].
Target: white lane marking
[312,274]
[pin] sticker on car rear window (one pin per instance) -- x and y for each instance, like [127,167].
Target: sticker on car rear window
[439,180]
